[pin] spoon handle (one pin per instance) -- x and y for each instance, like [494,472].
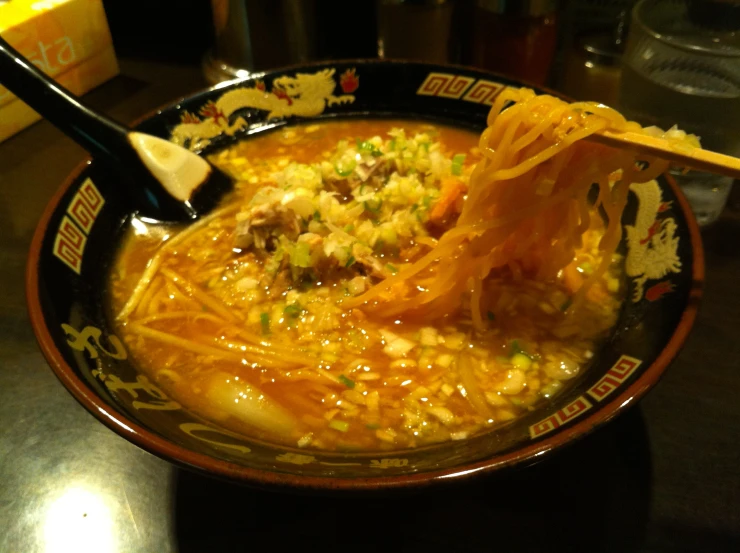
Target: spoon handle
[99,135]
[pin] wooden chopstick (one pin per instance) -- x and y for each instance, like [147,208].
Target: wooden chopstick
[696,158]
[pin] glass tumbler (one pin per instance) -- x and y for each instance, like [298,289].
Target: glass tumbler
[682,70]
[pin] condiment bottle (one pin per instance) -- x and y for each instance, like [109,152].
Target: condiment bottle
[419,30]
[515,38]
[592,69]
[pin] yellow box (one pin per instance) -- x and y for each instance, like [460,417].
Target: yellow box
[67,39]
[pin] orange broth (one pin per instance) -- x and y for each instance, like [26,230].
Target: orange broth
[272,354]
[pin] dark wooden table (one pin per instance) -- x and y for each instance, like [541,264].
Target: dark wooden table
[664,477]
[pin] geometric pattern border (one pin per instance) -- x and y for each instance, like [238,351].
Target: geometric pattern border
[614,377]
[445,85]
[571,411]
[455,87]
[71,238]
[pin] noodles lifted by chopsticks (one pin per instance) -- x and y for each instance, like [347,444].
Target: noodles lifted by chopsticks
[527,206]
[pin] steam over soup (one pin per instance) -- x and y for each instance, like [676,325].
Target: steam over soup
[256,318]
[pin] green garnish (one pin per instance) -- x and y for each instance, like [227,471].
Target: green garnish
[491,316]
[316,215]
[293,310]
[392,268]
[516,348]
[457,164]
[276,260]
[373,207]
[392,144]
[301,255]
[414,207]
[566,304]
[368,147]
[349,228]
[344,168]
[265,322]
[342,426]
[586,268]
[372,426]
[350,261]
[346,381]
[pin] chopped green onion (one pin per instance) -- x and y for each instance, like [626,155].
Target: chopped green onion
[276,260]
[516,349]
[349,228]
[350,261]
[392,145]
[427,201]
[373,207]
[293,310]
[346,381]
[414,207]
[566,304]
[342,426]
[586,268]
[344,168]
[392,268]
[388,235]
[491,316]
[317,215]
[457,164]
[301,255]
[521,361]
[368,147]
[425,145]
[372,426]
[265,322]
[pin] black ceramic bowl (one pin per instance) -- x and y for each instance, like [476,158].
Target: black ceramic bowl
[80,230]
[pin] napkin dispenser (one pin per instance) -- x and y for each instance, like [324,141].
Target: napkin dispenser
[68,40]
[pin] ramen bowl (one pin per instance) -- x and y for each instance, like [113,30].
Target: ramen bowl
[81,230]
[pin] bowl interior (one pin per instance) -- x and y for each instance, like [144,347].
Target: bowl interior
[78,237]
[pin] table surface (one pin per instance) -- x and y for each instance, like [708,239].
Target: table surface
[663,477]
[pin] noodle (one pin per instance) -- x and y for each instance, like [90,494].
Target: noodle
[389,285]
[194,315]
[195,292]
[527,205]
[156,261]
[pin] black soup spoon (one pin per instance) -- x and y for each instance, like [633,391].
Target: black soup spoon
[165,181]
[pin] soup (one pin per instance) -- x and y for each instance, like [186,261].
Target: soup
[243,318]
